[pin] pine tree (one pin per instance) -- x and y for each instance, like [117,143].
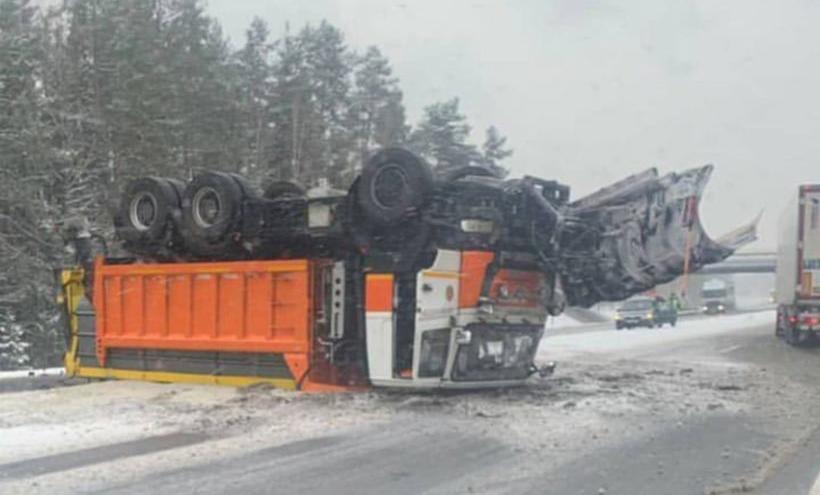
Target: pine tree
[255,89]
[13,348]
[312,88]
[377,113]
[201,84]
[441,137]
[494,151]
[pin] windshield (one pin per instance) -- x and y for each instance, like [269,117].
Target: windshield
[712,293]
[637,305]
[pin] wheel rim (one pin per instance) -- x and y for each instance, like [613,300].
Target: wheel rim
[389,186]
[143,211]
[206,207]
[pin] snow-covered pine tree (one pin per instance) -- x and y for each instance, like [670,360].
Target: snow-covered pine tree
[377,117]
[13,347]
[441,137]
[255,98]
[494,151]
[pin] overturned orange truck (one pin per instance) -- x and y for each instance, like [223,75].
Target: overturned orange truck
[404,280]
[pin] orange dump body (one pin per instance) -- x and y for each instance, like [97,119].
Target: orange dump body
[244,306]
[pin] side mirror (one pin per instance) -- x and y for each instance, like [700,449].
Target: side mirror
[544,371]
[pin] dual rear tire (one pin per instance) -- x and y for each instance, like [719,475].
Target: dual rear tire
[158,216]
[212,213]
[149,209]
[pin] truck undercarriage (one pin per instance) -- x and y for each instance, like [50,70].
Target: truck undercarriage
[409,279]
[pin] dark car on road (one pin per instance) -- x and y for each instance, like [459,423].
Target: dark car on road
[646,312]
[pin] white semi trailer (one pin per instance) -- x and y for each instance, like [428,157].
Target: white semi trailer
[797,285]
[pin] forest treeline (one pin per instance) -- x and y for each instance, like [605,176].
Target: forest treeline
[94,92]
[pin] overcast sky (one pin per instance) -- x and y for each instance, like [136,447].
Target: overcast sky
[591,91]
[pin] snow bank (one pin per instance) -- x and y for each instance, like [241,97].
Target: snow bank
[562,321]
[613,341]
[24,373]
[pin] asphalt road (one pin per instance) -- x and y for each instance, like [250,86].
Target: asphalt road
[727,412]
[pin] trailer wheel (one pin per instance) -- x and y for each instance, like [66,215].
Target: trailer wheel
[793,336]
[147,208]
[212,206]
[394,183]
[282,189]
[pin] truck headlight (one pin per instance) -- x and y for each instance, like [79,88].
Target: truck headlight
[649,315]
[720,307]
[618,317]
[463,336]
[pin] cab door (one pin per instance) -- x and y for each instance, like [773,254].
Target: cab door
[437,291]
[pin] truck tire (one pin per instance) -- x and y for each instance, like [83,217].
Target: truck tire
[211,208]
[282,189]
[147,210]
[393,184]
[793,336]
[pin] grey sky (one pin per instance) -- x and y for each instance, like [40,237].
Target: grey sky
[591,91]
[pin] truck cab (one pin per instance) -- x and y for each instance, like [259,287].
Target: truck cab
[717,296]
[467,320]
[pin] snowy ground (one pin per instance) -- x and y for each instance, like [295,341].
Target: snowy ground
[712,406]
[618,344]
[562,321]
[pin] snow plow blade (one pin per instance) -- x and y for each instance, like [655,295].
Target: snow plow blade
[647,231]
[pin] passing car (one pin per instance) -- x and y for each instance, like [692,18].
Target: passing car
[646,312]
[714,307]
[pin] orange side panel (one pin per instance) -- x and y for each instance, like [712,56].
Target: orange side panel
[473,269]
[243,306]
[378,292]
